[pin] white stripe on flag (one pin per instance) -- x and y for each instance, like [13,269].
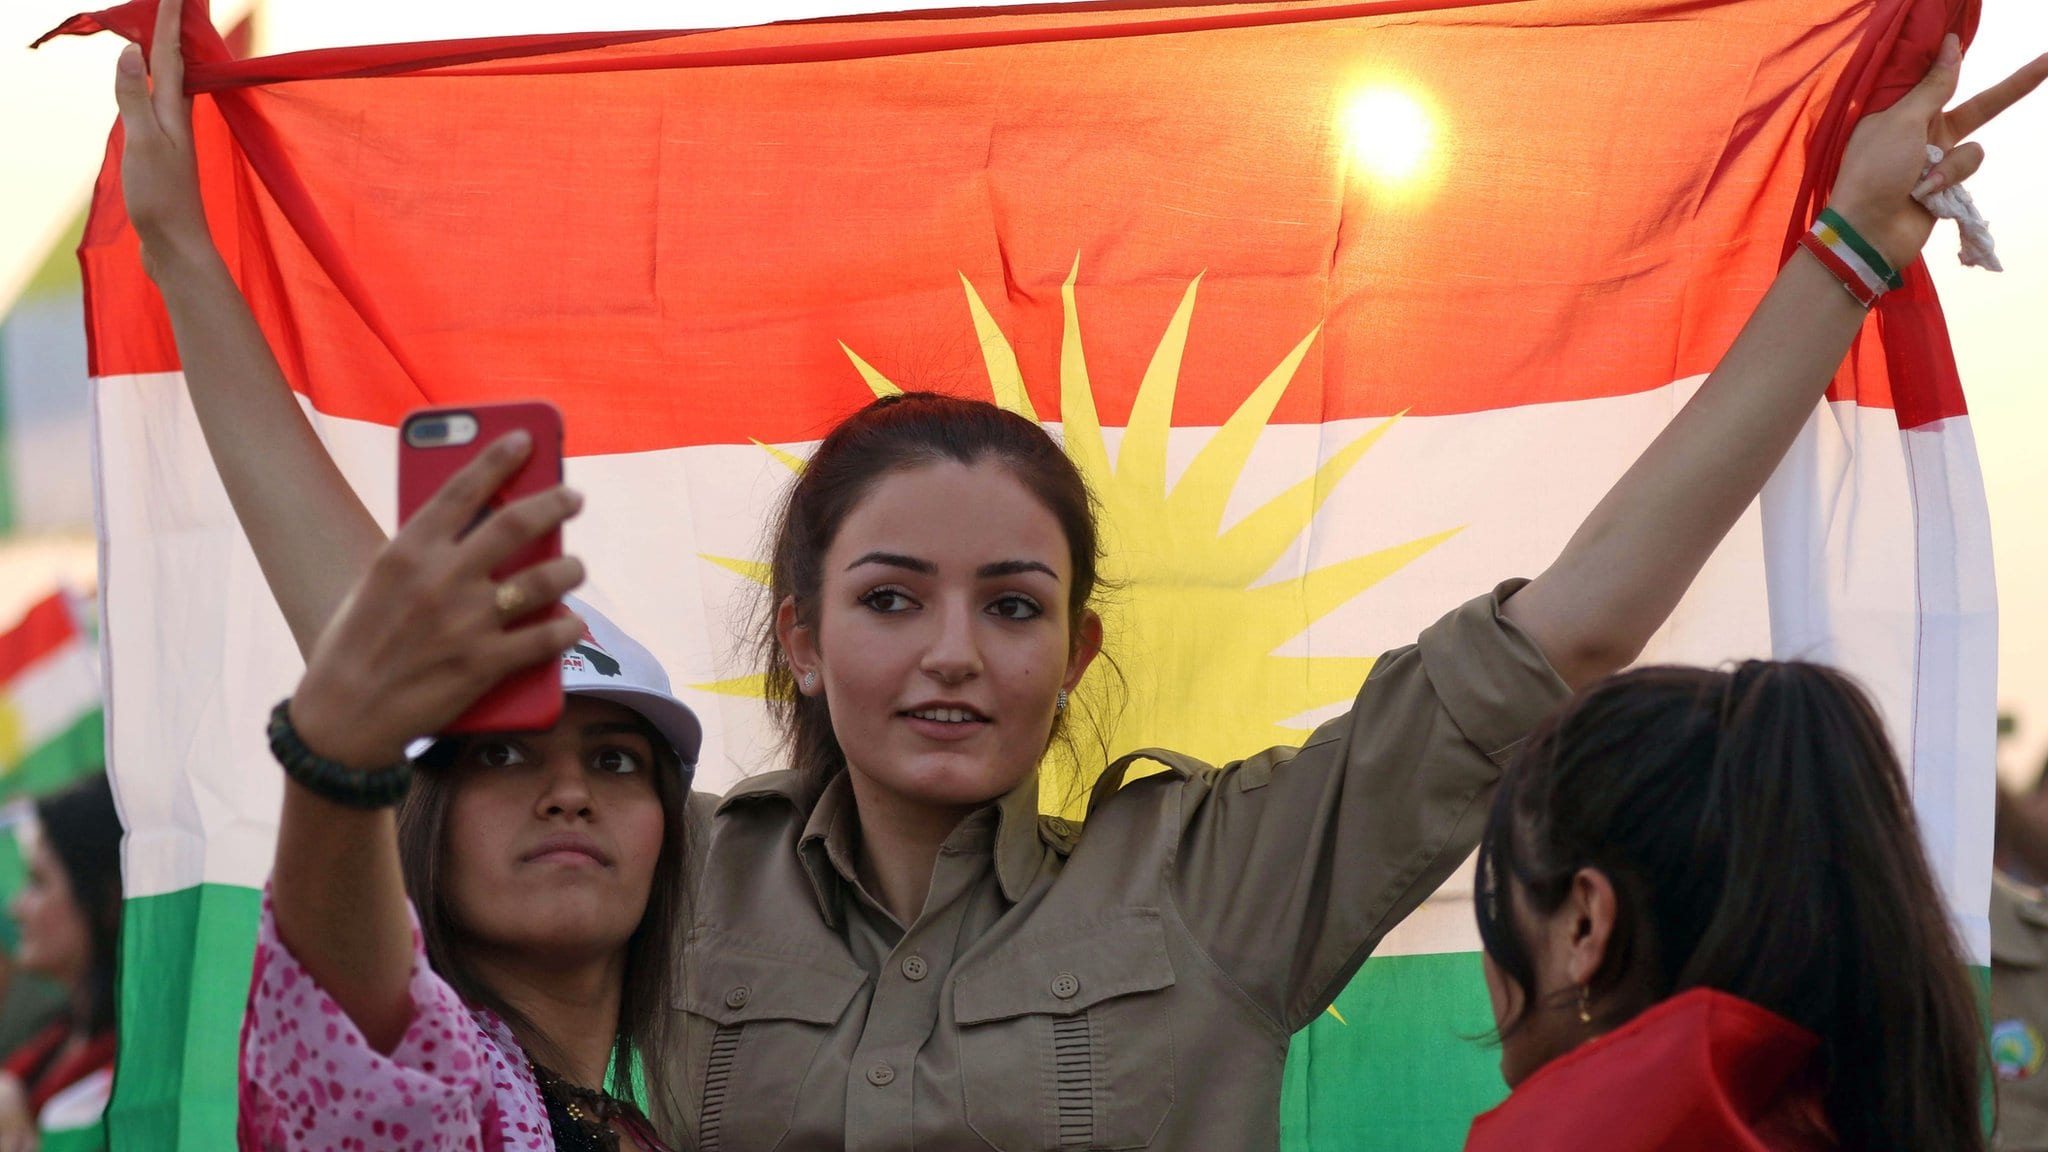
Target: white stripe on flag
[51,694]
[197,645]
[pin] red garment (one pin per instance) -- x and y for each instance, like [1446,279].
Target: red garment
[44,1074]
[1701,1072]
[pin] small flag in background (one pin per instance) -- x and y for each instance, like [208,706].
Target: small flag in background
[45,425]
[50,718]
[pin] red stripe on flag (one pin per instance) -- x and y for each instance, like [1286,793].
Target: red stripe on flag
[679,252]
[44,629]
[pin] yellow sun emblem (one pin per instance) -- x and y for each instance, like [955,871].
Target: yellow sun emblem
[1192,628]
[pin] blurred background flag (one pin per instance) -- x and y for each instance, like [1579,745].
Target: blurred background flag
[1342,329]
[50,721]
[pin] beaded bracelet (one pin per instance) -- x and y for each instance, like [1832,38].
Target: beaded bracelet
[1854,261]
[331,779]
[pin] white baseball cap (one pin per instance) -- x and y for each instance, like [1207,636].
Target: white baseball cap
[609,665]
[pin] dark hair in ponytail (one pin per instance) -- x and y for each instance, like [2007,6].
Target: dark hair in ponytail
[1760,838]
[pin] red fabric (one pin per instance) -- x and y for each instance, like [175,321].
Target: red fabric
[1701,1072]
[43,629]
[37,1065]
[677,237]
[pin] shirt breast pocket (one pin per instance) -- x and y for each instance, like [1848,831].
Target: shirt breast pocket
[1068,1041]
[753,1025]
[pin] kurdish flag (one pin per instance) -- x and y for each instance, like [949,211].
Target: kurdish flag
[50,720]
[1347,310]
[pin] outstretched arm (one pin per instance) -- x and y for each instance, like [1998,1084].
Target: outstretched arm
[310,532]
[1623,572]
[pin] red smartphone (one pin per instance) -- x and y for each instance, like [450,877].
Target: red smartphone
[433,445]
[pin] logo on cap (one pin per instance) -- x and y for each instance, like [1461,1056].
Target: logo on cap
[587,652]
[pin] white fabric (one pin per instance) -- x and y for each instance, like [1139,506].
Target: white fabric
[1954,203]
[1870,549]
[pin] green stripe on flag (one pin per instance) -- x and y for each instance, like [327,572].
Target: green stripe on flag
[1415,1031]
[93,1139]
[185,960]
[76,752]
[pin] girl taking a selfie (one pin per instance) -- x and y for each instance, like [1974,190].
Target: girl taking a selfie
[889,946]
[474,947]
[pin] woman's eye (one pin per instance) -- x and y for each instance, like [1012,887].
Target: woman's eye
[496,754]
[1016,608]
[617,761]
[888,601]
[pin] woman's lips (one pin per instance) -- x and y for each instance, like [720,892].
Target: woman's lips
[947,731]
[571,850]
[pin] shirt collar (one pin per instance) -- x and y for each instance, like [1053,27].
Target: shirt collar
[826,845]
[1019,850]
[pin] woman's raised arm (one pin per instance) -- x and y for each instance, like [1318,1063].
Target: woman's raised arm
[1623,572]
[310,532]
[413,644]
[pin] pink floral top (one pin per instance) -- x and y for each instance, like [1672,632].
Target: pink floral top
[456,1082]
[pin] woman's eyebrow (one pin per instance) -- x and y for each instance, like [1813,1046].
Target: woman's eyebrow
[927,568]
[897,560]
[614,728]
[1013,568]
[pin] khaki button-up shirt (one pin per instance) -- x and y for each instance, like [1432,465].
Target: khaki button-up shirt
[1133,987]
[2019,1015]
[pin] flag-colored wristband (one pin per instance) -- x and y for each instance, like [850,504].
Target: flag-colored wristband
[1850,257]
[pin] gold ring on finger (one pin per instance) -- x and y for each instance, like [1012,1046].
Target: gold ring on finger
[511,599]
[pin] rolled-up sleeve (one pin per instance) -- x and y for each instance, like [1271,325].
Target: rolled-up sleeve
[1292,865]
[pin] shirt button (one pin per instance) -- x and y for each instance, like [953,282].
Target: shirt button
[881,1075]
[738,997]
[914,968]
[1066,985]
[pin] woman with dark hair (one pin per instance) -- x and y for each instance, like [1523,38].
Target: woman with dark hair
[487,969]
[889,946]
[1709,924]
[490,967]
[70,918]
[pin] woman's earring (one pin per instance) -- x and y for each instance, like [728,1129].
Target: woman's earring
[810,680]
[1060,705]
[1585,1004]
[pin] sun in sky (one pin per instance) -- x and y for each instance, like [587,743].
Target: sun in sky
[1193,624]
[1391,137]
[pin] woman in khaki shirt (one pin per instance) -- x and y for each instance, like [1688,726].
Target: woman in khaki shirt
[894,950]
[891,948]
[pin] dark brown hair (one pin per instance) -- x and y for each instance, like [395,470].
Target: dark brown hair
[651,953]
[82,829]
[889,435]
[1760,838]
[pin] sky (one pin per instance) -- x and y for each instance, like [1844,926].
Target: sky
[56,103]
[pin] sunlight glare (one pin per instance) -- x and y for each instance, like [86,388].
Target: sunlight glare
[1389,134]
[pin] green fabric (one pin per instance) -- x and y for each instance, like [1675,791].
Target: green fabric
[76,752]
[13,875]
[185,960]
[1408,1068]
[92,1139]
[1981,979]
